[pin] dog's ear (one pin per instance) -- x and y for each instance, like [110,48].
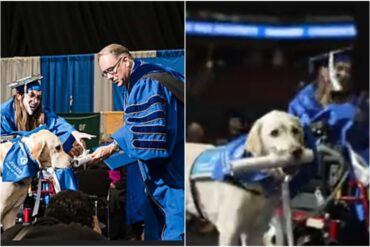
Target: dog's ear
[254,143]
[35,145]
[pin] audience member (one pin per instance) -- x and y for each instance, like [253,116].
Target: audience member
[195,132]
[69,216]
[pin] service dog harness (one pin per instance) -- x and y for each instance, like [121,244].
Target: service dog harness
[214,165]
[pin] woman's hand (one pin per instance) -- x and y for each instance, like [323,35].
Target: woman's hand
[77,149]
[79,136]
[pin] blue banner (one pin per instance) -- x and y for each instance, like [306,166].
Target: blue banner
[68,82]
[261,31]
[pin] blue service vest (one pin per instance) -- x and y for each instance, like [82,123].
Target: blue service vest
[215,164]
[16,158]
[18,163]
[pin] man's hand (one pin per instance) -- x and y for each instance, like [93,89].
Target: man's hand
[102,153]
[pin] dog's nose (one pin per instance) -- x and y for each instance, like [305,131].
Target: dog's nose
[297,152]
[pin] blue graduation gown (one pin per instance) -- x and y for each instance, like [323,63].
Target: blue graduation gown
[338,116]
[304,104]
[154,135]
[54,124]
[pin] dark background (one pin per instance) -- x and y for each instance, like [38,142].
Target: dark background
[238,86]
[59,28]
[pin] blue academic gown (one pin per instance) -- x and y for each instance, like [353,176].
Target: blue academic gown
[54,124]
[340,117]
[304,104]
[153,134]
[135,195]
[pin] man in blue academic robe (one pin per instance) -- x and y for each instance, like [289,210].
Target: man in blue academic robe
[153,134]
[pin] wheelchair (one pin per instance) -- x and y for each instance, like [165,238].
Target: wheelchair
[333,207]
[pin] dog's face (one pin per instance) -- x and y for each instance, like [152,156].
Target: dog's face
[47,149]
[276,132]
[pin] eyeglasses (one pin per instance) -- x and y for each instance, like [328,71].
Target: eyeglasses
[112,69]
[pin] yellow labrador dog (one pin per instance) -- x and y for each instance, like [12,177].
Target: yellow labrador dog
[241,217]
[47,150]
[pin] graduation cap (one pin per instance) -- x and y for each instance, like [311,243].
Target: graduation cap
[324,59]
[329,60]
[32,82]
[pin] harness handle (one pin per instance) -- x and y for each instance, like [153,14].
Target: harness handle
[270,161]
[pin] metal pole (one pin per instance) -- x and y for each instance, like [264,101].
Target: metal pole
[108,218]
[70,103]
[287,210]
